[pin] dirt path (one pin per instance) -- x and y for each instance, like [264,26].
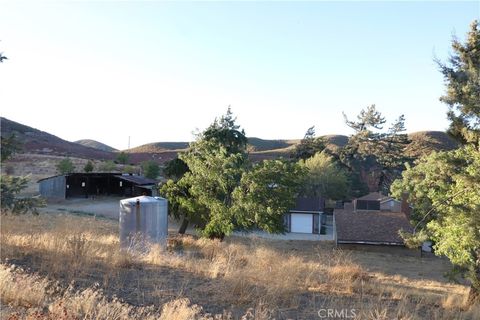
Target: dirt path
[103,207]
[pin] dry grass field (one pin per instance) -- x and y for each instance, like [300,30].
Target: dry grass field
[60,266]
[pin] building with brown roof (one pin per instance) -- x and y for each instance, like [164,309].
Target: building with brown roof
[306,217]
[364,222]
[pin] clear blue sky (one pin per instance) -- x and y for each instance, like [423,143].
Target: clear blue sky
[156,71]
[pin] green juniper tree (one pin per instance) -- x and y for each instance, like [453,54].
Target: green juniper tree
[444,187]
[462,79]
[375,155]
[308,146]
[223,191]
[88,167]
[11,187]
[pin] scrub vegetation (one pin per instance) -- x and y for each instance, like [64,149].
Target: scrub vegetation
[59,266]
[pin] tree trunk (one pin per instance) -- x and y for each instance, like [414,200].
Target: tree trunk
[184,225]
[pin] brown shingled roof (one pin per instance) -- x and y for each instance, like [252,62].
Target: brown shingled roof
[370,227]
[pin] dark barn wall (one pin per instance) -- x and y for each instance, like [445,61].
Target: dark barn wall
[91,185]
[79,185]
[53,188]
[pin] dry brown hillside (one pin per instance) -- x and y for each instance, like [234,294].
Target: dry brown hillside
[424,142]
[96,145]
[40,142]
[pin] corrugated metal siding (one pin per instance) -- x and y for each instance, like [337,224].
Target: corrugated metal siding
[53,188]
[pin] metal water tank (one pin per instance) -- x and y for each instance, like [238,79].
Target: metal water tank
[143,220]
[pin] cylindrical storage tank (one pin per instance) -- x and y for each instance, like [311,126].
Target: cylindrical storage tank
[143,220]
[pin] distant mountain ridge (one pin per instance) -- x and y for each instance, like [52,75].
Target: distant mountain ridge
[40,142]
[255,144]
[96,145]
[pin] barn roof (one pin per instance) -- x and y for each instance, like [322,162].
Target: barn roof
[139,180]
[374,227]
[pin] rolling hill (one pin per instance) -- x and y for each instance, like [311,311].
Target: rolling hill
[39,142]
[424,142]
[96,145]
[158,147]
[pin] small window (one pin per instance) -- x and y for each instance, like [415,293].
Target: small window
[83,184]
[121,183]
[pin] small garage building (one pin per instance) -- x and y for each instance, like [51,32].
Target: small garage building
[306,217]
[76,185]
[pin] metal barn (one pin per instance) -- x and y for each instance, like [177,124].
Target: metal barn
[78,185]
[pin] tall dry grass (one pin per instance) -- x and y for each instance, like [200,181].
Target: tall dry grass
[260,277]
[42,299]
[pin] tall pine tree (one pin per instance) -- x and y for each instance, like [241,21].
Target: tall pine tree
[462,79]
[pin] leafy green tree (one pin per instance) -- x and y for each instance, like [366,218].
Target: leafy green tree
[9,146]
[222,190]
[151,169]
[214,175]
[182,205]
[462,79]
[128,169]
[88,167]
[11,188]
[175,168]
[65,166]
[265,193]
[226,132]
[444,190]
[122,158]
[444,187]
[375,155]
[107,166]
[308,146]
[325,178]
[223,134]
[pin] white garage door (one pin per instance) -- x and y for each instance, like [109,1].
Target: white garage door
[301,223]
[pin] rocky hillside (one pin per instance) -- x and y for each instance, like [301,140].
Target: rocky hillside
[96,145]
